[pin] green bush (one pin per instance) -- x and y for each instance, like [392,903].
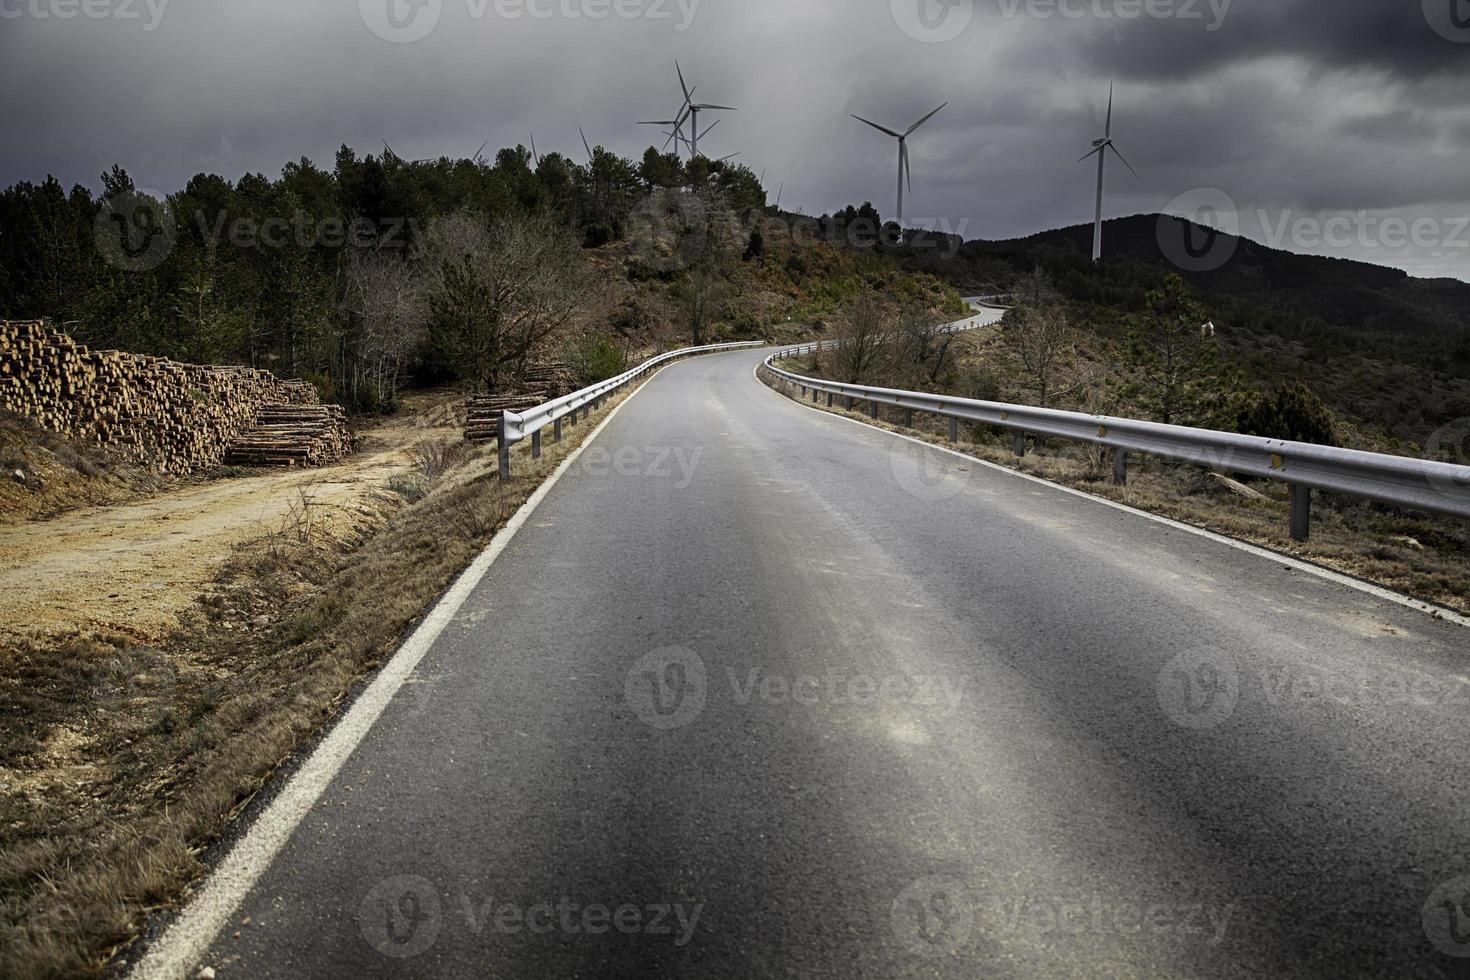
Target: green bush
[597,357]
[1293,412]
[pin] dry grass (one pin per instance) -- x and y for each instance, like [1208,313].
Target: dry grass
[1426,558]
[120,763]
[43,473]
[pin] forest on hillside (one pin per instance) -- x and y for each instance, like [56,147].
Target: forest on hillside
[356,277]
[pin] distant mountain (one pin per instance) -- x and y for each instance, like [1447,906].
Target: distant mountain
[1387,311]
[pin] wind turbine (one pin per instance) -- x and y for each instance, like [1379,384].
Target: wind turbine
[1100,148]
[586,146]
[534,155]
[677,136]
[905,172]
[394,153]
[694,108]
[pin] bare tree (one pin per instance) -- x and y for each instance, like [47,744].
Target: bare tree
[861,340]
[706,297]
[922,350]
[385,314]
[497,290]
[1036,289]
[1044,340]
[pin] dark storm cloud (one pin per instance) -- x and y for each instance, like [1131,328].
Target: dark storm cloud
[1391,36]
[1287,106]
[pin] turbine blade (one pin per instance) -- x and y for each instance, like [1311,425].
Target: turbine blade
[534,155]
[924,120]
[1108,130]
[706,132]
[710,105]
[584,144]
[1120,157]
[480,150]
[908,168]
[881,129]
[1093,153]
[681,80]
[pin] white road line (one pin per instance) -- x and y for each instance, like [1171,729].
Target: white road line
[177,953]
[1337,578]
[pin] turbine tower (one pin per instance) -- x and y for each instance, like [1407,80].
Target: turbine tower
[677,136]
[1100,148]
[905,172]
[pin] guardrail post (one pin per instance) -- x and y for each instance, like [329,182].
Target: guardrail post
[849,402]
[1018,442]
[1120,467]
[875,410]
[503,447]
[556,431]
[829,399]
[1301,512]
[536,444]
[954,429]
[908,418]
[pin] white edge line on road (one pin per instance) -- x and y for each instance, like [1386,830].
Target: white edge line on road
[1337,578]
[177,952]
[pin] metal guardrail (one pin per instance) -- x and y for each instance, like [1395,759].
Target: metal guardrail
[517,427]
[1442,488]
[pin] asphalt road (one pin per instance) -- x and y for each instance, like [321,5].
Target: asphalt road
[762,692]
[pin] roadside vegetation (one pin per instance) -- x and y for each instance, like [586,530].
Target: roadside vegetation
[1166,367]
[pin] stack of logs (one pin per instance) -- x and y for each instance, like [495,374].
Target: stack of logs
[541,383]
[292,435]
[176,418]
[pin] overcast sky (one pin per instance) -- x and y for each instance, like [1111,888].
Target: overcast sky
[1338,127]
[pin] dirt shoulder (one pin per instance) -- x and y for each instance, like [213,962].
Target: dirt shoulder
[133,568]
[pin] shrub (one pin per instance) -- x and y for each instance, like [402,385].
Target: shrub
[1293,412]
[596,357]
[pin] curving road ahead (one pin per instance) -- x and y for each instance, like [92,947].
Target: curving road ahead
[762,692]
